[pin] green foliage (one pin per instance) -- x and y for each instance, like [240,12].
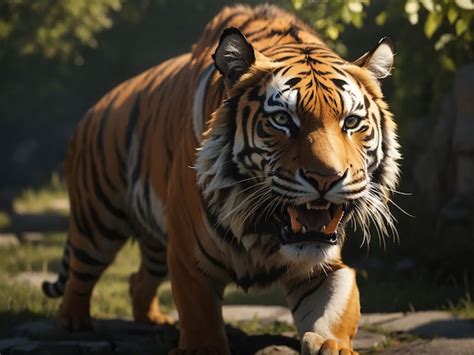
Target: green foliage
[331,18]
[432,39]
[49,198]
[54,28]
[446,21]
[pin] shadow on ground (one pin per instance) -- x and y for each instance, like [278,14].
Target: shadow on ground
[117,336]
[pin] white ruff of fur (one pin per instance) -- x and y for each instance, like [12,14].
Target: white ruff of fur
[233,211]
[240,204]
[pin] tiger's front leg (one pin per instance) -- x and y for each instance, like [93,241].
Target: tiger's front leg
[326,311]
[198,300]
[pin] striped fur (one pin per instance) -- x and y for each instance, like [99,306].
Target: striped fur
[190,158]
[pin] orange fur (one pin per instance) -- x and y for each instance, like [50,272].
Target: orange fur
[131,170]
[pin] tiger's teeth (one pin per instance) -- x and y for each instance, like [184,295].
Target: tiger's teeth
[308,205]
[303,229]
[322,229]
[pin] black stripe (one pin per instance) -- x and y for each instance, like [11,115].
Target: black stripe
[262,279]
[139,156]
[306,294]
[154,259]
[156,273]
[62,279]
[209,257]
[81,294]
[105,231]
[132,122]
[85,258]
[100,146]
[82,224]
[100,194]
[156,246]
[84,276]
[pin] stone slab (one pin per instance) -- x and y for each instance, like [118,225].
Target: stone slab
[365,340]
[9,343]
[434,347]
[431,324]
[46,329]
[125,336]
[373,319]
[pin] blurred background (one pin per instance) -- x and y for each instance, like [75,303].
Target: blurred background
[57,58]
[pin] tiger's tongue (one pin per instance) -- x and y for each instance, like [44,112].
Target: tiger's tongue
[313,219]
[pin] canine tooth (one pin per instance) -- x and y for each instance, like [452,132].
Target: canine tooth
[303,229]
[322,229]
[308,205]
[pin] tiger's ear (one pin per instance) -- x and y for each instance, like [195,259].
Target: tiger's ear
[234,55]
[379,60]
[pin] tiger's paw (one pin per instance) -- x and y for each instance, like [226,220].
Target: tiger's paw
[149,312]
[157,318]
[73,315]
[314,344]
[74,322]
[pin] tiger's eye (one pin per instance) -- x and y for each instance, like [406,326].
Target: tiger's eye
[281,118]
[351,122]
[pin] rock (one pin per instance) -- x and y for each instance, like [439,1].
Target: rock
[365,340]
[434,347]
[276,349]
[8,240]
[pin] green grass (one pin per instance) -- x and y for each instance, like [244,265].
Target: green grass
[22,302]
[4,220]
[49,198]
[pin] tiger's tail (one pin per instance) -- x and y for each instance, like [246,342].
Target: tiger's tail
[56,289]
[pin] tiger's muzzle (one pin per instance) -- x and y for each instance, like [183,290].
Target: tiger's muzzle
[315,221]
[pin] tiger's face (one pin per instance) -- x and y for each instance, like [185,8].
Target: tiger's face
[307,143]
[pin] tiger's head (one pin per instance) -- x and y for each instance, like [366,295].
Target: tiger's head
[303,143]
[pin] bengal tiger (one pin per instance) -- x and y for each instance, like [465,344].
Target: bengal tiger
[239,162]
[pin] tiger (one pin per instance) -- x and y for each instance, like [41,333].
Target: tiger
[240,162]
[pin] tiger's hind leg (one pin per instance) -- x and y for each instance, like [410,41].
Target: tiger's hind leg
[92,247]
[145,282]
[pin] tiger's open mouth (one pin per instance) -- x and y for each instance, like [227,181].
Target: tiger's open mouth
[316,221]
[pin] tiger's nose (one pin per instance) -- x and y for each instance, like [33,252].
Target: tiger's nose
[324,182]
